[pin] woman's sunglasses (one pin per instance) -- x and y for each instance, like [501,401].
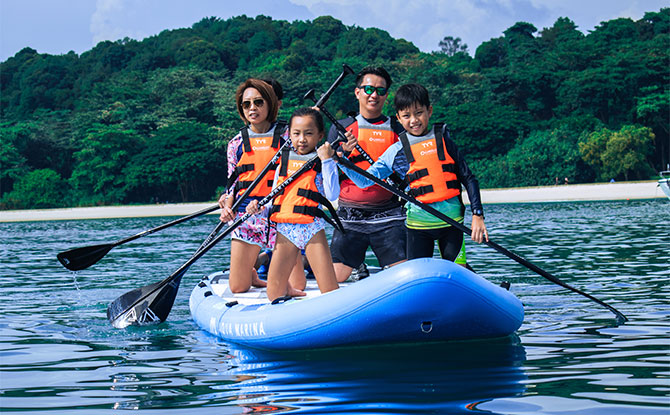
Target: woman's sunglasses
[369,89]
[258,102]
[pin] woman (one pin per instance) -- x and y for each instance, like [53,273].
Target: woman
[248,153]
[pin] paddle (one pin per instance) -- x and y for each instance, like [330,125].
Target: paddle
[137,306]
[82,258]
[151,304]
[467,231]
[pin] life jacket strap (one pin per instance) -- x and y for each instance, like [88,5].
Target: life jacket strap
[417,175]
[420,191]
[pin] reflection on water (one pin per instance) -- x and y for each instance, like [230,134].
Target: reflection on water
[58,353]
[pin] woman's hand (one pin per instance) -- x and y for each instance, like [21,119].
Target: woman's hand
[252,207]
[226,203]
[479,232]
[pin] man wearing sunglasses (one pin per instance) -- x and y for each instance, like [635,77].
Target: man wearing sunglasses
[371,217]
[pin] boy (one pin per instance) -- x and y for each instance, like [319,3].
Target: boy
[435,170]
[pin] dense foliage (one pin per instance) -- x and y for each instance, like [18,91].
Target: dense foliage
[147,121]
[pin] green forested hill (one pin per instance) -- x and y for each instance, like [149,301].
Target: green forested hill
[141,121]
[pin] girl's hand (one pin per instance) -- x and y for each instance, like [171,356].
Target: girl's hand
[325,151]
[479,232]
[252,207]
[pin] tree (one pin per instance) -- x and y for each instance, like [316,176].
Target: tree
[451,46]
[179,163]
[39,189]
[98,175]
[619,153]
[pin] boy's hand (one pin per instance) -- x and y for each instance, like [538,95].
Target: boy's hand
[479,232]
[325,151]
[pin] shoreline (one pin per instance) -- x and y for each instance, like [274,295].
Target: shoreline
[538,194]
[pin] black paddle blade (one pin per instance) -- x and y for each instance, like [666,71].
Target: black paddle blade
[82,258]
[146,305]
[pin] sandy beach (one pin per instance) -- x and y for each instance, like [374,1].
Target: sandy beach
[562,193]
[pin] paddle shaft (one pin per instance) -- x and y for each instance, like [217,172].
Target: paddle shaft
[246,193]
[346,70]
[468,231]
[340,129]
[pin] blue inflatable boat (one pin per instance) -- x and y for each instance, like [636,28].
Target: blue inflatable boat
[422,300]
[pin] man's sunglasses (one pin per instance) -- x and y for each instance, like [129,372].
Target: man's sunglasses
[369,89]
[258,102]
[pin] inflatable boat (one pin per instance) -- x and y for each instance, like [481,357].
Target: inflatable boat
[422,300]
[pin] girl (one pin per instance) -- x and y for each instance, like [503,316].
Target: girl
[248,153]
[297,211]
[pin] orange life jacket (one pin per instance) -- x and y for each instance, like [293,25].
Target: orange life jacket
[373,138]
[258,150]
[299,201]
[432,171]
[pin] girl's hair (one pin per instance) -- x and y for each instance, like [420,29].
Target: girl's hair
[411,94]
[308,112]
[266,92]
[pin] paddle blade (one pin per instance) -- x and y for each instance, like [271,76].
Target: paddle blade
[146,305]
[82,258]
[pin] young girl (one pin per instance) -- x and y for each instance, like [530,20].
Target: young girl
[248,153]
[297,211]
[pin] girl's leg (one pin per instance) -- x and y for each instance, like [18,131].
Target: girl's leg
[242,273]
[318,255]
[283,260]
[420,244]
[297,279]
[450,243]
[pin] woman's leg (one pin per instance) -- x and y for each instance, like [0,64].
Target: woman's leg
[283,260]
[318,255]
[242,273]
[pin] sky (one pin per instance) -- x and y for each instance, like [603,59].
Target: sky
[59,26]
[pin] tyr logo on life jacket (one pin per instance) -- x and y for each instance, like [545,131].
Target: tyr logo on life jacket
[373,138]
[258,150]
[299,201]
[432,172]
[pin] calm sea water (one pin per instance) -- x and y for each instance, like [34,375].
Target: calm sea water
[58,354]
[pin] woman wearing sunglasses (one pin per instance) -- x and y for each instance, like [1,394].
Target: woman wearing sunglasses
[248,153]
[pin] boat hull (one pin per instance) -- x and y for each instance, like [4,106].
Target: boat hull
[422,300]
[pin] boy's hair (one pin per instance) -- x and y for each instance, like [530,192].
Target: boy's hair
[276,86]
[308,112]
[373,70]
[411,94]
[266,92]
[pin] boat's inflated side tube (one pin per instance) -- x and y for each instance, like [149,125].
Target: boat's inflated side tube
[419,300]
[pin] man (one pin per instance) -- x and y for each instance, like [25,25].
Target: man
[372,217]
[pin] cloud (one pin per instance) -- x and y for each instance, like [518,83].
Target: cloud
[426,22]
[107,21]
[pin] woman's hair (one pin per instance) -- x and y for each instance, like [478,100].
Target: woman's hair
[411,94]
[308,112]
[276,86]
[266,92]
